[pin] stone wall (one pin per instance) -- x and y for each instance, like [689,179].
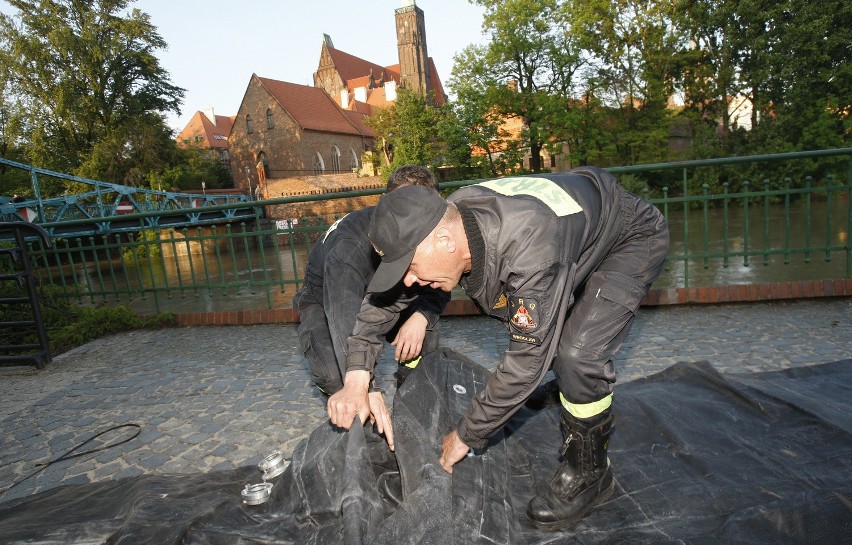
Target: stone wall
[319,185]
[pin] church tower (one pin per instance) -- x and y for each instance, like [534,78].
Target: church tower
[411,42]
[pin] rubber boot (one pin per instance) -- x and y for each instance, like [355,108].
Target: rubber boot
[582,480]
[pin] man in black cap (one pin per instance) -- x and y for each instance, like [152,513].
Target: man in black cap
[332,303]
[564,259]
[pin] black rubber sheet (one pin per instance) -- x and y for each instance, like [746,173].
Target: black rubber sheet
[698,458]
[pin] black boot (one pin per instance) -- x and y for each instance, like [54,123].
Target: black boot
[582,480]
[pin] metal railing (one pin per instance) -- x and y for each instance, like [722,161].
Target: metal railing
[797,223]
[103,207]
[19,304]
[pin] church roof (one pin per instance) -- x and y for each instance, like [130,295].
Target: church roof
[352,68]
[313,109]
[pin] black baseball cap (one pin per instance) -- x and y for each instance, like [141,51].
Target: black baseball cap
[402,220]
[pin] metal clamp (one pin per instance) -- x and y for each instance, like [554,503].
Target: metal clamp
[256,494]
[273,465]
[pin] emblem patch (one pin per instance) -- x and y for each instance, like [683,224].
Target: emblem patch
[501,302]
[524,314]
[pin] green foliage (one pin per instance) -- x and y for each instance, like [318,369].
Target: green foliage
[407,132]
[92,323]
[69,326]
[599,76]
[85,75]
[147,246]
[194,166]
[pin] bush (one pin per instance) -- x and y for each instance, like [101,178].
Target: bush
[69,326]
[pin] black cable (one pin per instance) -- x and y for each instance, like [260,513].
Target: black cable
[68,454]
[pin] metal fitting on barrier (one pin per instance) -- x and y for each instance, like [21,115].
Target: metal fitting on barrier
[273,465]
[256,494]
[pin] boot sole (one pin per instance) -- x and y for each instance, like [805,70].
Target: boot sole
[560,524]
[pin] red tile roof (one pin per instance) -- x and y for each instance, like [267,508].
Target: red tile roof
[376,96]
[437,86]
[312,108]
[213,135]
[351,67]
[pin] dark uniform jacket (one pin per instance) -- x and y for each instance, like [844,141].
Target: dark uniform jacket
[339,269]
[533,241]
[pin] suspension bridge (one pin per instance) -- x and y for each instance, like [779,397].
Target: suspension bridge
[102,208]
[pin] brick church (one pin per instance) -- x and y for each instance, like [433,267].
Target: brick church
[290,139]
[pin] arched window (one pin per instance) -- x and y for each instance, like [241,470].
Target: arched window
[319,164]
[335,159]
[353,160]
[249,124]
[263,161]
[270,123]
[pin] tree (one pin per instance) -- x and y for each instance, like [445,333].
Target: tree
[83,72]
[634,50]
[789,59]
[407,131]
[525,71]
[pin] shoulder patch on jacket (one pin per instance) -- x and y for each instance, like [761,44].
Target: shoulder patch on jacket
[501,302]
[332,228]
[547,191]
[523,314]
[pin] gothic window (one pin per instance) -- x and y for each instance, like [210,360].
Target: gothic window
[353,160]
[249,124]
[319,164]
[335,159]
[263,161]
[270,123]
[552,160]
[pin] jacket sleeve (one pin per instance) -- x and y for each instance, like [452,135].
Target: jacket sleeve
[344,285]
[378,314]
[529,355]
[431,303]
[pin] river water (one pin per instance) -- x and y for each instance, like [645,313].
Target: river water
[246,264]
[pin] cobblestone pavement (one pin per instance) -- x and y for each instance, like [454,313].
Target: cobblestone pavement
[218,397]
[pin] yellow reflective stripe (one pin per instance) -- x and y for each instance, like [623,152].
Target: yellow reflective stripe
[586,410]
[547,191]
[411,364]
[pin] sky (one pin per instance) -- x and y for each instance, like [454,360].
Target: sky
[216,45]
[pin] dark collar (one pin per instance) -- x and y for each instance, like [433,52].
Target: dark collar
[472,281]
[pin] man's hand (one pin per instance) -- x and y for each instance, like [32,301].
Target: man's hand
[351,400]
[409,339]
[380,415]
[452,451]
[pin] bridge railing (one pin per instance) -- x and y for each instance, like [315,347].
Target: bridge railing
[777,227]
[102,207]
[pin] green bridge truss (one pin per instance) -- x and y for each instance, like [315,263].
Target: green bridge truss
[111,208]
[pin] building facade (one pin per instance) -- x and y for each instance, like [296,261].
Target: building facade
[208,132]
[287,131]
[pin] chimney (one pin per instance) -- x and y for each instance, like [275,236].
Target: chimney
[361,94]
[390,91]
[208,112]
[344,99]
